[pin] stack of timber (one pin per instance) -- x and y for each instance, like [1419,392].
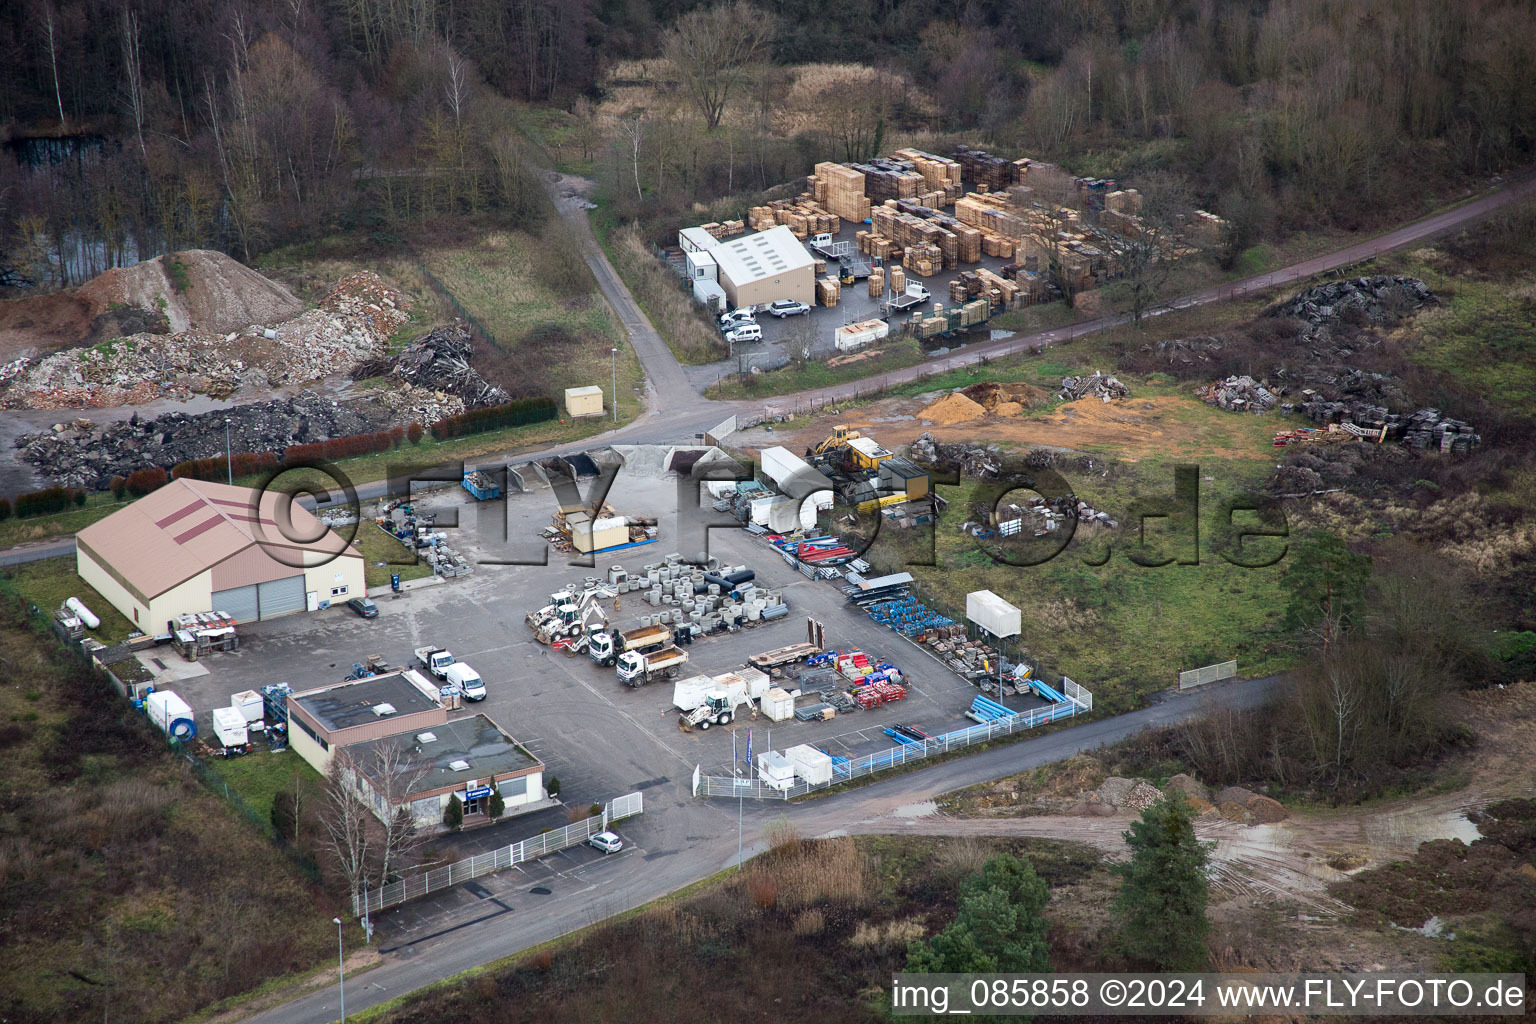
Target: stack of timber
[898,281]
[923,260]
[841,190]
[891,179]
[988,171]
[876,282]
[725,229]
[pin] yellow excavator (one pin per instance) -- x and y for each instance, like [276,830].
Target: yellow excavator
[839,438]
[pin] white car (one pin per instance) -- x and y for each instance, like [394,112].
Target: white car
[787,307]
[608,842]
[744,332]
[736,318]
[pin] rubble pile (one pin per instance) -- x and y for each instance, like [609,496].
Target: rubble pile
[83,454]
[1239,394]
[1037,516]
[969,460]
[1425,430]
[353,322]
[1095,385]
[1186,350]
[1310,469]
[439,362]
[1381,298]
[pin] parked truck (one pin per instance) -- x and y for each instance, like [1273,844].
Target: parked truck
[435,660]
[636,668]
[915,295]
[604,648]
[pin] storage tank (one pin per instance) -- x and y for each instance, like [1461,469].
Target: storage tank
[85,615]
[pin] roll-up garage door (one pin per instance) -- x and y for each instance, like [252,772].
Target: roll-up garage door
[239,602]
[279,597]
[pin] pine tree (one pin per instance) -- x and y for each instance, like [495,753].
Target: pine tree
[496,806]
[1000,926]
[453,814]
[1163,893]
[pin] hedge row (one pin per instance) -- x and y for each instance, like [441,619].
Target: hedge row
[513,414]
[344,447]
[45,502]
[218,468]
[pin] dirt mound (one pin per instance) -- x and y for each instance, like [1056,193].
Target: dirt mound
[951,409]
[1005,399]
[200,290]
[1267,811]
[1189,786]
[1235,795]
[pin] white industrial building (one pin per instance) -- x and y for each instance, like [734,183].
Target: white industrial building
[194,546]
[764,267]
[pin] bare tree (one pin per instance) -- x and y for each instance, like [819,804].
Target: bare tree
[457,86]
[397,769]
[632,127]
[53,62]
[712,48]
[134,68]
[1144,246]
[350,827]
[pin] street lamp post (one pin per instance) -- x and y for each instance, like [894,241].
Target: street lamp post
[341,978]
[614,359]
[229,454]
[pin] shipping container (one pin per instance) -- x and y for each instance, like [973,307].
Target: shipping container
[810,764]
[171,715]
[778,705]
[992,613]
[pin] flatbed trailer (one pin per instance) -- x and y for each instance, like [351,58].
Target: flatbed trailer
[783,656]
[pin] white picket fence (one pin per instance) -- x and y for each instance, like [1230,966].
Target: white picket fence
[419,885]
[1207,674]
[844,770]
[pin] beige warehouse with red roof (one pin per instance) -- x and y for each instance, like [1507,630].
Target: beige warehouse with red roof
[194,546]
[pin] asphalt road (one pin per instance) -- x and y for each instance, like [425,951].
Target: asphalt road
[705,836]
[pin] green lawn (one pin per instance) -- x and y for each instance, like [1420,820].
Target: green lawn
[258,777]
[382,555]
[896,354]
[1480,335]
[48,582]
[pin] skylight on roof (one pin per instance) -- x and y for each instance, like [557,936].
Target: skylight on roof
[384,708]
[459,766]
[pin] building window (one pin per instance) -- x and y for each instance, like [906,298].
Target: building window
[135,613]
[514,788]
[339,591]
[296,720]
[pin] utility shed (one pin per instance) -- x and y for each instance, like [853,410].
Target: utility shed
[992,613]
[898,474]
[587,401]
[765,267]
[702,267]
[422,769]
[194,546]
[696,240]
[324,719]
[867,453]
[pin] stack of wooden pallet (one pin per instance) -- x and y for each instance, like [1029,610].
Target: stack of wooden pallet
[923,260]
[827,291]
[1126,200]
[761,218]
[841,190]
[991,212]
[993,172]
[1127,224]
[937,171]
[1206,228]
[999,246]
[907,230]
[876,283]
[890,179]
[968,239]
[804,217]
[898,281]
[724,229]
[959,290]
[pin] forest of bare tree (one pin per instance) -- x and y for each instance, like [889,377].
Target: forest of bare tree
[140,126]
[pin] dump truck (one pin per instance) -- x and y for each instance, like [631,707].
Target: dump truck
[434,659]
[636,668]
[605,647]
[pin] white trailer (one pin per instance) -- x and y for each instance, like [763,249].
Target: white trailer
[171,714]
[774,769]
[810,764]
[230,726]
[852,337]
[992,613]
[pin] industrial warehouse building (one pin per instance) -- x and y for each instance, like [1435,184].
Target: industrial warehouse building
[327,718]
[467,758]
[765,267]
[194,546]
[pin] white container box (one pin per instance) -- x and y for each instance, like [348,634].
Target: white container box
[810,764]
[229,725]
[774,769]
[171,714]
[249,704]
[778,706]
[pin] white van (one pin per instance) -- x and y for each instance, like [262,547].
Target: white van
[745,332]
[466,680]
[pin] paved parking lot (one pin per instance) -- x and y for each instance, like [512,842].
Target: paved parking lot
[599,737]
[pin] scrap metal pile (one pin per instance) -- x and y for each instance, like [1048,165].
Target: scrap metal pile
[970,460]
[1094,385]
[84,454]
[439,361]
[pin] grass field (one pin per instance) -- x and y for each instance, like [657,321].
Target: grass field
[258,777]
[47,583]
[559,340]
[131,892]
[1480,335]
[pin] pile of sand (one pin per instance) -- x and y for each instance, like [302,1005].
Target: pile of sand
[952,408]
[201,290]
[1006,399]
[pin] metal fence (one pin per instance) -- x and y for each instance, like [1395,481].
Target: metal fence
[1207,674]
[845,770]
[419,885]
